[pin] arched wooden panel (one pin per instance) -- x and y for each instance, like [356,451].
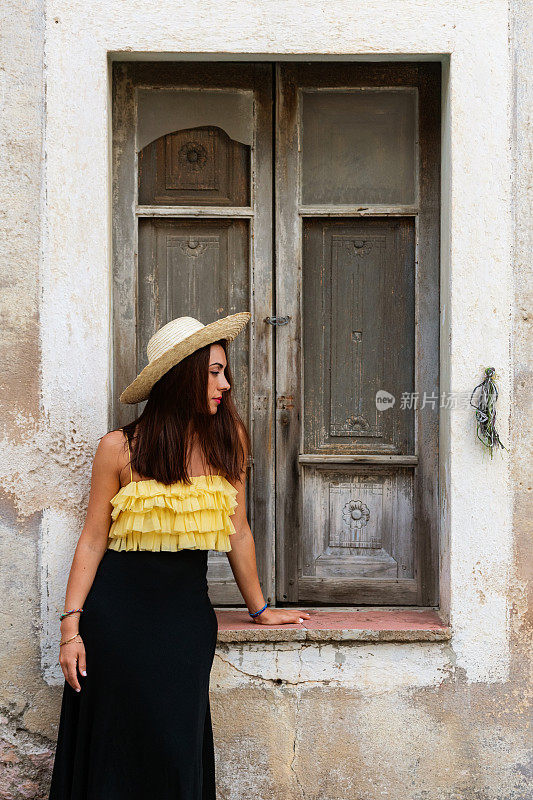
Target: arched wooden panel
[195,166]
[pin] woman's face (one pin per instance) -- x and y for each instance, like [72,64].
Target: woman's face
[217,383]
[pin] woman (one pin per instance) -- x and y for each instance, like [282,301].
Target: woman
[138,632]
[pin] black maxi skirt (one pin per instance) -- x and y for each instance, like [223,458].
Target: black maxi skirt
[140,728]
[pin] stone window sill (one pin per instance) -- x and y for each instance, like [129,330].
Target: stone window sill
[338,625]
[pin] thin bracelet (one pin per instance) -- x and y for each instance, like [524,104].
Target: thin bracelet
[69,640]
[66,613]
[256,613]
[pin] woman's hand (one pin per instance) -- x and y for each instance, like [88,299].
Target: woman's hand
[71,655]
[280,616]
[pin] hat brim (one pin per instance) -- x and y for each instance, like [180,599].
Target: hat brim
[226,328]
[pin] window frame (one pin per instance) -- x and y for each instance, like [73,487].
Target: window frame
[277,554]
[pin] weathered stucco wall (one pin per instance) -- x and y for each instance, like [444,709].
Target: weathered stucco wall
[411,721]
[27,704]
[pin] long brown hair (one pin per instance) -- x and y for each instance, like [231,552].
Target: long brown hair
[177,410]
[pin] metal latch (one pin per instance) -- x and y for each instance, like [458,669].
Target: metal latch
[277,320]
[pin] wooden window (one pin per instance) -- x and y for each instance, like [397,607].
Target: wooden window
[331,240]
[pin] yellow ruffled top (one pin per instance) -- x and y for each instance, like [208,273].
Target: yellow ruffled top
[149,515]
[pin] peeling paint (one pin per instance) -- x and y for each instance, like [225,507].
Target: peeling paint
[43,467]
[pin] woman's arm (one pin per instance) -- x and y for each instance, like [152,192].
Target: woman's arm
[91,546]
[243,565]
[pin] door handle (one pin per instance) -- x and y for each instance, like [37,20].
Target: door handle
[277,320]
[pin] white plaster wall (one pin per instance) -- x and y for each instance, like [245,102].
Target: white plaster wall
[476,243]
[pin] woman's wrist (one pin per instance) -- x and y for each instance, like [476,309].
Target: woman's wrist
[70,624]
[256,612]
[70,629]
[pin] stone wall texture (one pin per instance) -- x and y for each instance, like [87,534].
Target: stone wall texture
[332,721]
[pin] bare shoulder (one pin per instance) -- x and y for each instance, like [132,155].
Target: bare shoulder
[110,454]
[111,444]
[105,483]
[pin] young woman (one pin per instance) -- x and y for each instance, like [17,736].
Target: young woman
[138,632]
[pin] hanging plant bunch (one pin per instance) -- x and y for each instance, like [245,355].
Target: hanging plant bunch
[486,411]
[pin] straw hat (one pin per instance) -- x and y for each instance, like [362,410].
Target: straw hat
[175,341]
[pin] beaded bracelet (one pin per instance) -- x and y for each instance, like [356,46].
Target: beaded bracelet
[256,613]
[66,613]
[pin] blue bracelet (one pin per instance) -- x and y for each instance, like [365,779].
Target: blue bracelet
[256,613]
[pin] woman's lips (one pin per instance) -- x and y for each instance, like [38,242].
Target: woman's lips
[217,399]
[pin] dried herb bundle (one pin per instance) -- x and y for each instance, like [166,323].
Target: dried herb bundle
[486,411]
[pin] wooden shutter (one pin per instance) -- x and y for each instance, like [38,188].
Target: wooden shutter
[192,234]
[357,274]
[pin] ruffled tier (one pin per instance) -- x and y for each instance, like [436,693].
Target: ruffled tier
[149,515]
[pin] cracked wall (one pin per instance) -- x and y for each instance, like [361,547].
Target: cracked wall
[365,722]
[354,721]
